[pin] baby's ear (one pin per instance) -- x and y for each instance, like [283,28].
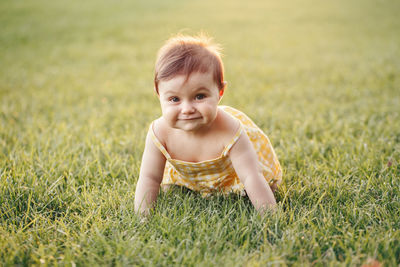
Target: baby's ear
[156,91]
[222,90]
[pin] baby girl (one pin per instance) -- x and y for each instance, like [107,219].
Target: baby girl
[196,143]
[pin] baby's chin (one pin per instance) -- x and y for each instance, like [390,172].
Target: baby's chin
[190,126]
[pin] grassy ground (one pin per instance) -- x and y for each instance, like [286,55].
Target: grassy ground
[321,78]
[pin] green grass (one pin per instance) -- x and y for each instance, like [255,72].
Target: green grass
[321,78]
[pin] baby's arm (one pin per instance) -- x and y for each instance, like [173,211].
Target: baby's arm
[150,177]
[245,162]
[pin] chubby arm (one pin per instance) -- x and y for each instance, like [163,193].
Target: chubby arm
[150,177]
[245,162]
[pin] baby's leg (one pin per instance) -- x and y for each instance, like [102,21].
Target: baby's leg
[166,187]
[169,187]
[274,186]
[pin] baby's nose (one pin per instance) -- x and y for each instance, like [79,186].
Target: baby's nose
[187,108]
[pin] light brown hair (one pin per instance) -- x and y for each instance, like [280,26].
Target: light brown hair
[184,55]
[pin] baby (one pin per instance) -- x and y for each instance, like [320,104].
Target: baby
[196,143]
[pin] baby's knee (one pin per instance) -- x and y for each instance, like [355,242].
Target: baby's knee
[275,185]
[171,187]
[166,187]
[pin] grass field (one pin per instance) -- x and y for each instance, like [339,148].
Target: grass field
[321,78]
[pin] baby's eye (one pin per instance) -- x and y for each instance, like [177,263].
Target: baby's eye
[200,96]
[174,99]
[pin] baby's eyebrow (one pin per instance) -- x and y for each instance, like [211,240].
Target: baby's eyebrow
[202,88]
[171,92]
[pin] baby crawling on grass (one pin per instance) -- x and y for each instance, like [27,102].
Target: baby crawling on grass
[196,143]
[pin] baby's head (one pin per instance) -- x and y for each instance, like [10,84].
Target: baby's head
[185,55]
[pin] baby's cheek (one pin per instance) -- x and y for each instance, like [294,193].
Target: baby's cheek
[166,111]
[170,115]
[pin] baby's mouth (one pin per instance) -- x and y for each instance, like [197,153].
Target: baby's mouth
[189,119]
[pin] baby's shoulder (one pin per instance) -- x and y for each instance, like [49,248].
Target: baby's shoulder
[160,130]
[228,126]
[228,122]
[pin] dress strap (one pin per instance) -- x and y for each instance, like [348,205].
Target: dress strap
[234,139]
[158,143]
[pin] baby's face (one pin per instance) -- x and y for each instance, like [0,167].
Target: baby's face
[191,105]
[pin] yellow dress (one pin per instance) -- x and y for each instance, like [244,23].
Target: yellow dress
[218,175]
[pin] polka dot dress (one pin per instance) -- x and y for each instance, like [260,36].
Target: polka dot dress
[218,175]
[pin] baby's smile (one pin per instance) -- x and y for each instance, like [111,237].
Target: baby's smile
[189,119]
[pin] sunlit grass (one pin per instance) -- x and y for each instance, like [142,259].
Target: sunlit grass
[76,99]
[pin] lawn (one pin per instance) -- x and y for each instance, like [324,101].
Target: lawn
[321,78]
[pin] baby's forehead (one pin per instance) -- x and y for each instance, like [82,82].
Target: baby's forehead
[194,80]
[191,78]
